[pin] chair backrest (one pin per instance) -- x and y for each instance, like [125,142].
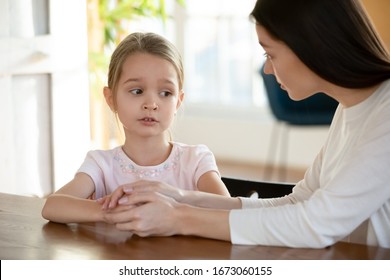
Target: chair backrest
[246,188]
[315,110]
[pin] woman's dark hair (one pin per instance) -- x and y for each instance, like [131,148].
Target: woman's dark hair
[334,38]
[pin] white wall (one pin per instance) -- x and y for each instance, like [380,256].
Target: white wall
[44,113]
[246,136]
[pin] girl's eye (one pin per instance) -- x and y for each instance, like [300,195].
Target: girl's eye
[136,91]
[165,93]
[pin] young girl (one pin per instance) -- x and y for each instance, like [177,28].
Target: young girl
[145,90]
[311,46]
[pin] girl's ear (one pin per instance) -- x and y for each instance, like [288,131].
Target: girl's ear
[180,99]
[109,98]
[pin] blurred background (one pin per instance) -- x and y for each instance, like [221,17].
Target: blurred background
[53,65]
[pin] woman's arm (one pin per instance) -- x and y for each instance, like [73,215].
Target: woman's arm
[194,198]
[71,203]
[210,182]
[204,222]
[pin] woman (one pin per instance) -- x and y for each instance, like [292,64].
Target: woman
[311,46]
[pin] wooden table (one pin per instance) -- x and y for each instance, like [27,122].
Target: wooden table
[24,234]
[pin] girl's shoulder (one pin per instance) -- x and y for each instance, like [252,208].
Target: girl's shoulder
[189,148]
[191,153]
[104,155]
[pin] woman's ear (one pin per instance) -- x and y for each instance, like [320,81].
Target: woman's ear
[109,98]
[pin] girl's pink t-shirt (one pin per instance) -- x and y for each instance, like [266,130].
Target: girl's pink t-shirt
[110,169]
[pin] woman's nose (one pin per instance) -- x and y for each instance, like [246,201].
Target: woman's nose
[268,69]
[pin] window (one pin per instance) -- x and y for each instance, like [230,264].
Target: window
[221,54]
[220,50]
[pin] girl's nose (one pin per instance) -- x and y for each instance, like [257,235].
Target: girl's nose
[150,106]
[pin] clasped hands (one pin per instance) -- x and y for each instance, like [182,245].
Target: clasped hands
[144,208]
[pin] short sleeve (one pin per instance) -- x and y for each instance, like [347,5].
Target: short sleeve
[91,167]
[206,162]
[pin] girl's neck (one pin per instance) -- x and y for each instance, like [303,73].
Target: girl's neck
[147,152]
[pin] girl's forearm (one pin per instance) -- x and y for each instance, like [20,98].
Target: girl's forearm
[62,208]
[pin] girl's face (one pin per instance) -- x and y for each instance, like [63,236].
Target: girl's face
[147,97]
[290,72]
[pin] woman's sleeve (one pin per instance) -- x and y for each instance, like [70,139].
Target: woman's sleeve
[358,189]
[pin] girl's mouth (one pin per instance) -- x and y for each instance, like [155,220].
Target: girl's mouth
[148,121]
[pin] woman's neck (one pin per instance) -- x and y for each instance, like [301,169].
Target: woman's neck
[147,152]
[351,97]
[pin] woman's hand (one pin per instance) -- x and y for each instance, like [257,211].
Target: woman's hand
[146,214]
[153,213]
[153,208]
[194,198]
[119,196]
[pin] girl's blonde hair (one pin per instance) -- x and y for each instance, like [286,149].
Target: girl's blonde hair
[150,43]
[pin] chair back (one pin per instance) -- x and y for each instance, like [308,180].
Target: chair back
[247,188]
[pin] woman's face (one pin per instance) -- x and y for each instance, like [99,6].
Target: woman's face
[290,72]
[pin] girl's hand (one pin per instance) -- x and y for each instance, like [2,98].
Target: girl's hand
[104,201]
[111,201]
